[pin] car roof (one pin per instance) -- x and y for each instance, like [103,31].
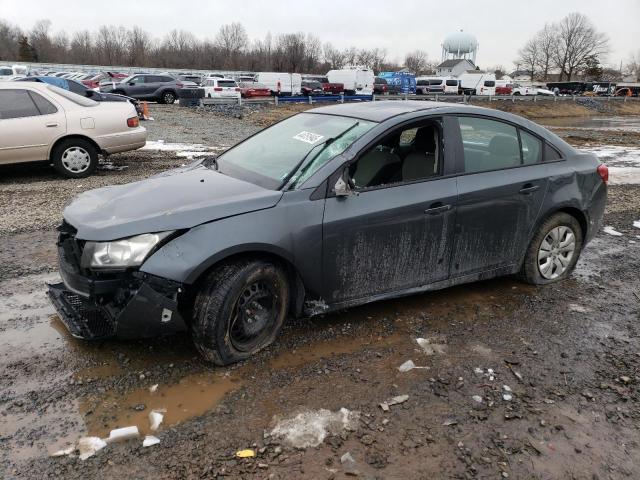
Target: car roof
[377,111]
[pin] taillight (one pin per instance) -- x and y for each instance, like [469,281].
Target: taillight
[237,89]
[133,122]
[603,171]
[217,89]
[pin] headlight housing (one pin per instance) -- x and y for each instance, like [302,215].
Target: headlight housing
[121,254]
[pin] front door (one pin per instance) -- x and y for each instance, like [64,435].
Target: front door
[29,124]
[500,194]
[394,231]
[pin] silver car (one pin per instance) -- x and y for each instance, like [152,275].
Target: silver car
[41,122]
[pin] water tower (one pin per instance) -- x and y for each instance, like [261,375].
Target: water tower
[460,45]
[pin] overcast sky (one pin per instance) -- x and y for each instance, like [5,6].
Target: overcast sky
[400,26]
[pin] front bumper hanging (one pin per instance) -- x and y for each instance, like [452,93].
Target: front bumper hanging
[127,313]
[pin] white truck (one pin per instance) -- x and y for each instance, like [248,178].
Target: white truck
[356,80]
[478,83]
[281,83]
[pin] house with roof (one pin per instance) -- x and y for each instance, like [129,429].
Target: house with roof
[454,67]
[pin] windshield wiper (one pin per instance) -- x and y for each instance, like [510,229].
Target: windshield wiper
[303,163]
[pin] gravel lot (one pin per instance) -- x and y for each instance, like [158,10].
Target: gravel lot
[569,355]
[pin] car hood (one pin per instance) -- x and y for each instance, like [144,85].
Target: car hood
[181,198]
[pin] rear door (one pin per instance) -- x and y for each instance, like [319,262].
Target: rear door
[29,123]
[501,189]
[394,232]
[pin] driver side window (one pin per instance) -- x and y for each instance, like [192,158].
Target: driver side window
[409,154]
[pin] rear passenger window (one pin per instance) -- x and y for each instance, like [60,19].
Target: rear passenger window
[16,104]
[488,144]
[551,154]
[44,106]
[531,148]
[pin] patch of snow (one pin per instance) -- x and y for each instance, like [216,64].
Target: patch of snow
[187,150]
[574,307]
[309,428]
[150,440]
[636,223]
[612,231]
[623,163]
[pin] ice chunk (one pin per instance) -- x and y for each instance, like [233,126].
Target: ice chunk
[88,446]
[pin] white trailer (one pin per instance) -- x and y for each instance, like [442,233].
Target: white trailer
[478,83]
[356,80]
[281,83]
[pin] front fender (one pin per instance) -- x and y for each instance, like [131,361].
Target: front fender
[292,230]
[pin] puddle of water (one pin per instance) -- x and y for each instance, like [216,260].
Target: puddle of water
[629,123]
[192,396]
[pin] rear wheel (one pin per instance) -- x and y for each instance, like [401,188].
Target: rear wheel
[239,310]
[168,98]
[554,250]
[75,158]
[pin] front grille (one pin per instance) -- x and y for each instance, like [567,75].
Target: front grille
[88,320]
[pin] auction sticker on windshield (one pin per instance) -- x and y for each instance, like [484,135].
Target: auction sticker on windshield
[308,137]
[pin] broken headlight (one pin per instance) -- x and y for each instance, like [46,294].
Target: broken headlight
[119,254]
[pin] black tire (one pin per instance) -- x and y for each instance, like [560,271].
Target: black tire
[167,97]
[60,157]
[516,94]
[531,269]
[221,332]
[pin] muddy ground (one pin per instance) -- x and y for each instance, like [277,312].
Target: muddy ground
[569,355]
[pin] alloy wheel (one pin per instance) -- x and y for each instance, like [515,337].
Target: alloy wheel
[556,252]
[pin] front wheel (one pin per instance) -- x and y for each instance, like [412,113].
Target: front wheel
[554,250]
[239,310]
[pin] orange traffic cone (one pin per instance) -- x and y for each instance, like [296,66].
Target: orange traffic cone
[145,110]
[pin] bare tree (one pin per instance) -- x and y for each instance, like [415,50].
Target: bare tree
[547,42]
[332,56]
[631,68]
[416,62]
[529,56]
[10,37]
[232,40]
[40,40]
[578,41]
[139,46]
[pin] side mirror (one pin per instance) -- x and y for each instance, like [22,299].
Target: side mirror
[342,188]
[131,84]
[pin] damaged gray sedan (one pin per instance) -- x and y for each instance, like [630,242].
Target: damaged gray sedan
[331,208]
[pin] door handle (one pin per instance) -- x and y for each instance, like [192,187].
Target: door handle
[528,188]
[437,208]
[51,124]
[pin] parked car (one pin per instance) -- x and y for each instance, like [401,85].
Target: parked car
[197,79]
[331,208]
[503,87]
[400,82]
[280,83]
[159,88]
[221,88]
[380,86]
[327,86]
[523,90]
[253,89]
[8,73]
[41,122]
[311,87]
[477,83]
[356,80]
[80,89]
[94,81]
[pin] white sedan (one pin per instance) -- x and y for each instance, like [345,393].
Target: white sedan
[41,122]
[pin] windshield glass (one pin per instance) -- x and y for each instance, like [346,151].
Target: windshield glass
[270,157]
